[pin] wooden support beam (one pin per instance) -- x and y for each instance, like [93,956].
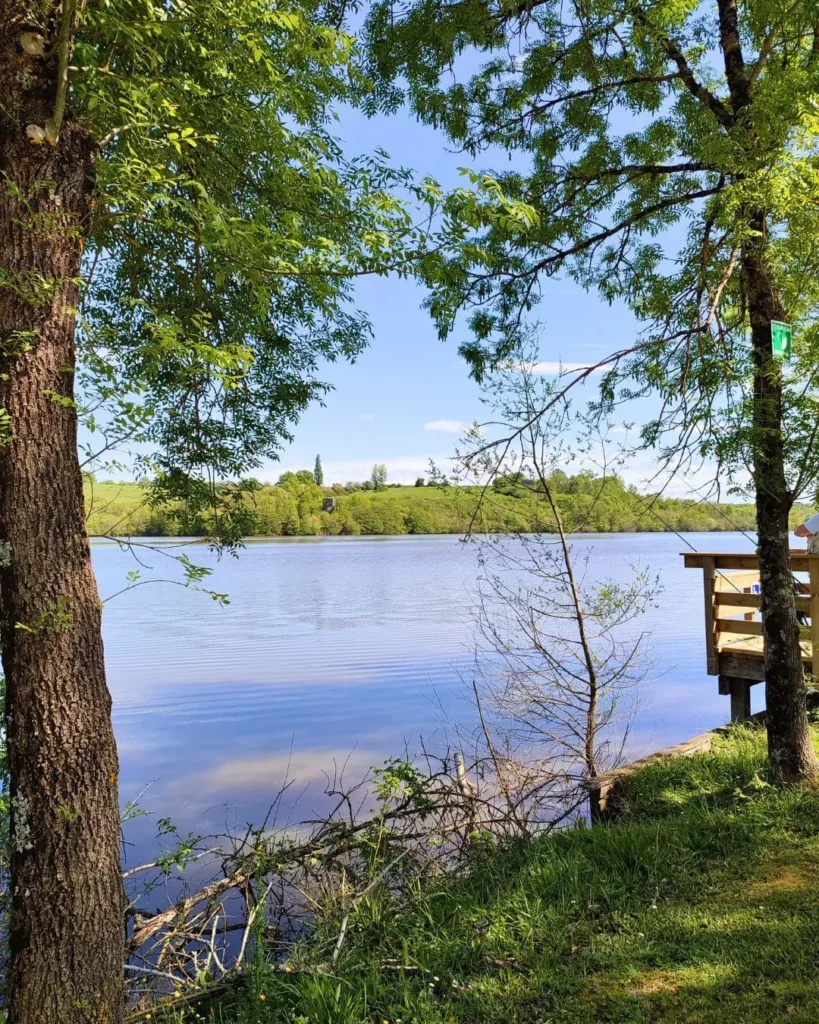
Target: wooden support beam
[739,601]
[739,626]
[696,560]
[711,657]
[727,560]
[813,570]
[751,669]
[739,691]
[740,701]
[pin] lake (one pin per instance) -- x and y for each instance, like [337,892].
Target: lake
[339,651]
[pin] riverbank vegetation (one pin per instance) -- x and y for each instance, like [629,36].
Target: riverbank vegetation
[698,905]
[181,236]
[458,896]
[294,509]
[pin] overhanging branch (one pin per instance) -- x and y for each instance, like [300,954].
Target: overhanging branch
[692,83]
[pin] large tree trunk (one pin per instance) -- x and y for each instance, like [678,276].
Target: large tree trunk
[66,931]
[790,750]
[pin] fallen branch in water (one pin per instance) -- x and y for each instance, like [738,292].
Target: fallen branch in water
[275,886]
[182,908]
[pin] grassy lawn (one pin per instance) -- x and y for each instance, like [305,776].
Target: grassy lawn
[703,905]
[116,508]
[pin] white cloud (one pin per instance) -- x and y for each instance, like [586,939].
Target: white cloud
[366,417]
[448,426]
[301,767]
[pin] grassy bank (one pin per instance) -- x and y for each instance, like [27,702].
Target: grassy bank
[701,906]
[296,510]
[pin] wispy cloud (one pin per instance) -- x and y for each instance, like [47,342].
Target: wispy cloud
[240,774]
[366,417]
[447,426]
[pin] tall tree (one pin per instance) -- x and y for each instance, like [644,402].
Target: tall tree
[178,233]
[378,476]
[667,153]
[318,472]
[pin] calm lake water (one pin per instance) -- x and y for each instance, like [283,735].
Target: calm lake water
[340,651]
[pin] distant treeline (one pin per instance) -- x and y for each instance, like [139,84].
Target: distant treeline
[294,508]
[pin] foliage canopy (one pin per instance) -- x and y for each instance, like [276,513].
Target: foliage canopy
[655,145]
[228,229]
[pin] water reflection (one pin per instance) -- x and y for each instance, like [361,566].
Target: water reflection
[339,649]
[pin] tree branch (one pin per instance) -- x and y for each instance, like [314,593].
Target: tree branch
[692,83]
[731,46]
[54,123]
[636,170]
[601,87]
[762,59]
[602,236]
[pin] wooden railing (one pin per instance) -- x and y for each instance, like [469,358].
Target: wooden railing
[734,638]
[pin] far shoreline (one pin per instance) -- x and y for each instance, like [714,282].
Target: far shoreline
[345,538]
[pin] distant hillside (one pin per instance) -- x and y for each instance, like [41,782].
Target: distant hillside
[294,508]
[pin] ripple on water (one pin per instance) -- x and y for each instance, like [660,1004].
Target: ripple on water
[331,646]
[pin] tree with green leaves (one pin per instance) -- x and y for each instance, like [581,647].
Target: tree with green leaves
[666,152]
[378,477]
[318,472]
[179,235]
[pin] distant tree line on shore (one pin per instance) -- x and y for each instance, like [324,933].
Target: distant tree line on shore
[293,507]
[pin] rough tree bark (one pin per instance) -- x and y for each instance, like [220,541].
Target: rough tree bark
[790,750]
[66,932]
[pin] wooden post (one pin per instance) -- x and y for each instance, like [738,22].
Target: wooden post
[813,570]
[711,655]
[597,802]
[740,700]
[751,615]
[740,693]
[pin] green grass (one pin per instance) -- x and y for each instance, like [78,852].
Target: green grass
[118,509]
[703,905]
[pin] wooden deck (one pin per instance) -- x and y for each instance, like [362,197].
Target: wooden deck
[734,644]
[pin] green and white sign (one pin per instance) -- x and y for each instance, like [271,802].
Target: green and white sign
[781,340]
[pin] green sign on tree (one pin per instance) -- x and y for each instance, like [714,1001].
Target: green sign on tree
[781,339]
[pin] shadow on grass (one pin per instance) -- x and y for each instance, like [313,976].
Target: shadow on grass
[702,906]
[749,955]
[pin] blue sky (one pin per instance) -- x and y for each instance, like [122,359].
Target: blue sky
[404,399]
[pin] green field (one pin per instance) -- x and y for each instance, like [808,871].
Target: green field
[701,906]
[295,509]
